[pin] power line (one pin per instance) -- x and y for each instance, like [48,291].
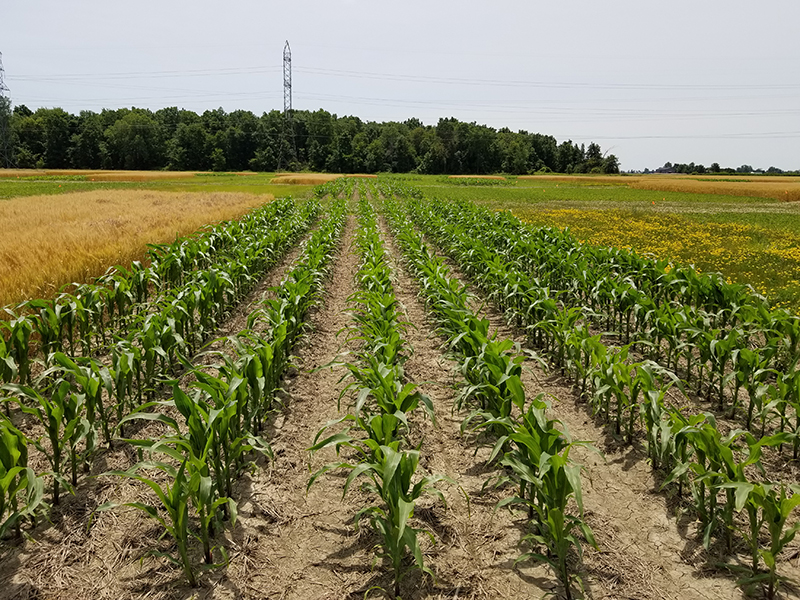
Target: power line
[608,113]
[720,136]
[149,74]
[427,79]
[541,84]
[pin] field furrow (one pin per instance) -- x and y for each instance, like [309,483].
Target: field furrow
[305,541]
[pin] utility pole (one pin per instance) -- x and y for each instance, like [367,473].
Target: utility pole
[287,131]
[5,120]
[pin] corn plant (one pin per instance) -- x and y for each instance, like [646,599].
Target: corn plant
[61,411]
[766,504]
[125,374]
[656,416]
[535,453]
[18,344]
[712,459]
[258,363]
[560,481]
[8,367]
[223,402]
[21,490]
[174,495]
[93,380]
[390,475]
[201,456]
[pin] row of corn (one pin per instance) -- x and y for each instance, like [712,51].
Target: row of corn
[376,429]
[79,399]
[225,410]
[532,448]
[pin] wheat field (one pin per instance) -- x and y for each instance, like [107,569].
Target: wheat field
[304,178]
[48,242]
[784,189]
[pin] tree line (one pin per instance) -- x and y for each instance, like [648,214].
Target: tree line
[173,138]
[715,169]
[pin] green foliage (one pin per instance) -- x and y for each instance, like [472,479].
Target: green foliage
[170,138]
[477,181]
[174,496]
[61,412]
[21,490]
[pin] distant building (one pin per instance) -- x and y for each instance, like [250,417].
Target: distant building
[665,170]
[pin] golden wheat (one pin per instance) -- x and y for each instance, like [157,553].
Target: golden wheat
[304,178]
[50,241]
[581,178]
[784,189]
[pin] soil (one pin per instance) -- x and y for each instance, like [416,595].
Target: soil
[294,543]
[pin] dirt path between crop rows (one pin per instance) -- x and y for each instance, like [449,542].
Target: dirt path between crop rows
[289,544]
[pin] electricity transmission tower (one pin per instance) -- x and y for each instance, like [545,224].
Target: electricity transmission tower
[5,124]
[287,131]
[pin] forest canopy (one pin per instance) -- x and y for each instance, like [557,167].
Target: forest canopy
[177,139]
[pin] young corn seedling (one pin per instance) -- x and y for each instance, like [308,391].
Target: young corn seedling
[8,367]
[537,456]
[92,379]
[713,466]
[17,481]
[766,504]
[174,495]
[61,411]
[18,344]
[390,477]
[194,452]
[560,481]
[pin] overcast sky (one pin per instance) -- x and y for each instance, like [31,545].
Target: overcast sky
[680,81]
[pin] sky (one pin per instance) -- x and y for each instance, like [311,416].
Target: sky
[682,81]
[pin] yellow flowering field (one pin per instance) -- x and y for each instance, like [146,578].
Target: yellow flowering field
[767,259]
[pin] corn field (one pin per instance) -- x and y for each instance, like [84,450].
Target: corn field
[191,367]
